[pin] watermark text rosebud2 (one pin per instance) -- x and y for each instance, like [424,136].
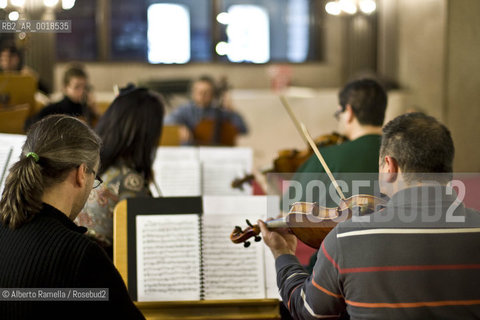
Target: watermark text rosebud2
[432,192]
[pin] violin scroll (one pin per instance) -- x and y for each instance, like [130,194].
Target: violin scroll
[238,182]
[238,235]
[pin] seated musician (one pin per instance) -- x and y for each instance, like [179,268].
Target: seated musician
[360,115]
[416,258]
[41,248]
[75,101]
[130,130]
[202,107]
[12,60]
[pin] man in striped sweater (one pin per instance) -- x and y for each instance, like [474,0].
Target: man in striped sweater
[417,258]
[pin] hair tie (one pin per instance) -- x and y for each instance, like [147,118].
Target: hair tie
[33,155]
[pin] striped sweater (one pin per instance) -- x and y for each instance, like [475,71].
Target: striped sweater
[415,259]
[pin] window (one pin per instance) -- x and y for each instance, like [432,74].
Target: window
[248,35]
[168,33]
[185,25]
[297,30]
[291,30]
[128,30]
[81,43]
[184,31]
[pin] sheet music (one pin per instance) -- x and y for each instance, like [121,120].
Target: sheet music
[12,139]
[16,153]
[222,154]
[236,205]
[178,178]
[16,141]
[230,270]
[221,166]
[177,172]
[13,142]
[194,171]
[225,155]
[5,153]
[271,288]
[168,257]
[218,178]
[177,154]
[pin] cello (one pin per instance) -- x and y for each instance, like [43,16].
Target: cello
[219,130]
[308,221]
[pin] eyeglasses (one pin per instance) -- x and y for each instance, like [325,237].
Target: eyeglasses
[98,181]
[337,113]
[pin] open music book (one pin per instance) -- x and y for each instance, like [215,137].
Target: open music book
[10,150]
[195,171]
[189,256]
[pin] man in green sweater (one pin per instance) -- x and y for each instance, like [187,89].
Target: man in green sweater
[354,164]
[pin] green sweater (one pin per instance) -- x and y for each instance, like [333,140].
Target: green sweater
[359,155]
[350,161]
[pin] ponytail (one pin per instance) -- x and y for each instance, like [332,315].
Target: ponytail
[54,146]
[22,196]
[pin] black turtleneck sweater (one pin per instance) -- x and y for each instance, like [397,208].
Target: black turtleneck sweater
[51,252]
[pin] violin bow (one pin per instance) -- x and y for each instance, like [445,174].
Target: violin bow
[297,123]
[302,129]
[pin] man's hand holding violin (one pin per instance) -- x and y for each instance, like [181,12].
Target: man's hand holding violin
[279,241]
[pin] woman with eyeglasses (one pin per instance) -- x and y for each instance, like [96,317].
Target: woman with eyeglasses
[130,131]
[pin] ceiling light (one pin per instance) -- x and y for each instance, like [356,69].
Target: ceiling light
[13,16]
[223,18]
[333,8]
[348,6]
[367,6]
[50,3]
[222,48]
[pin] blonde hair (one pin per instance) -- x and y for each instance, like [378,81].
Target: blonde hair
[62,143]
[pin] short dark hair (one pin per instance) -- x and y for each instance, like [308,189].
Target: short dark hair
[207,79]
[368,100]
[130,130]
[13,50]
[74,71]
[419,144]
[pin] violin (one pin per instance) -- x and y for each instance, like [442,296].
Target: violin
[239,182]
[289,161]
[311,223]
